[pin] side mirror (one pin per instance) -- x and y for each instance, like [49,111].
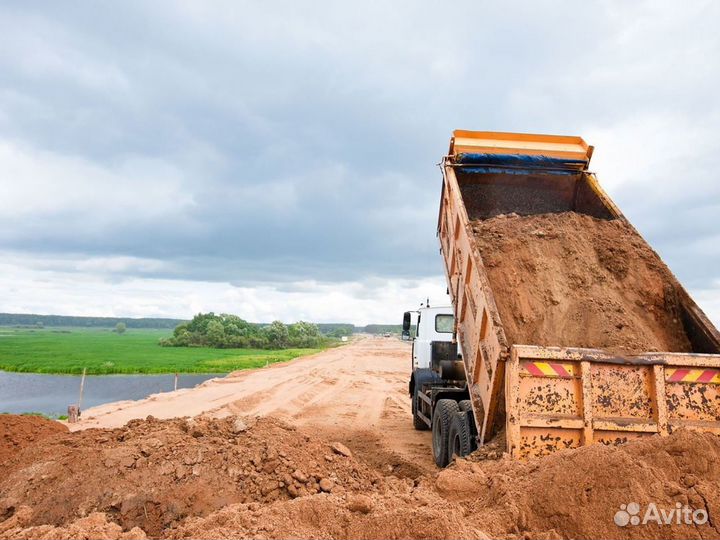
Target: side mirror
[406,323]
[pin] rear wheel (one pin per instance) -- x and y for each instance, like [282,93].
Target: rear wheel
[460,436]
[465,405]
[442,417]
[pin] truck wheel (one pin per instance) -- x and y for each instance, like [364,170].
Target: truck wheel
[465,405]
[459,436]
[442,417]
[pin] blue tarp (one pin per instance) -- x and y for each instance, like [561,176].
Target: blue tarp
[518,171]
[517,164]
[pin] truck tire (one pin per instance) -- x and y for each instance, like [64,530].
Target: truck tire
[465,405]
[422,376]
[460,436]
[442,417]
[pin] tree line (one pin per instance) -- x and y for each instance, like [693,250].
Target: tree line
[226,331]
[30,320]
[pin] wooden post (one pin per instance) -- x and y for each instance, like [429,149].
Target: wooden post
[73,414]
[176,380]
[82,388]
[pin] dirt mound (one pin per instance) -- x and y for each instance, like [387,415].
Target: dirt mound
[576,493]
[573,280]
[19,431]
[233,477]
[407,513]
[400,511]
[153,474]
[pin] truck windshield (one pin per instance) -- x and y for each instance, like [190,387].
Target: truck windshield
[443,324]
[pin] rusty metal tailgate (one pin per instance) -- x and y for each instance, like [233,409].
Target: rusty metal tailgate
[565,397]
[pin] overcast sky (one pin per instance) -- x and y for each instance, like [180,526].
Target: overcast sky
[277,159]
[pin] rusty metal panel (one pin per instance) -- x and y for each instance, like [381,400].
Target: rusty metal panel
[622,391]
[612,438]
[692,394]
[543,395]
[563,397]
[479,330]
[543,441]
[691,402]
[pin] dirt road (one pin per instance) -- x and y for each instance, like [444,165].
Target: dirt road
[356,393]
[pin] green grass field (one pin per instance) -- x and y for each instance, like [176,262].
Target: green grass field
[101,351]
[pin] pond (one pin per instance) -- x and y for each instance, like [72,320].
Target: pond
[51,394]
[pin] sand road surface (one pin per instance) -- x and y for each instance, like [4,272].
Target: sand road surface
[357,393]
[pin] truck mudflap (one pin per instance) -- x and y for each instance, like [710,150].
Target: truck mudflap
[560,398]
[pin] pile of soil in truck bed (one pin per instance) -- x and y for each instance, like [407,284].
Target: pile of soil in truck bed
[572,280]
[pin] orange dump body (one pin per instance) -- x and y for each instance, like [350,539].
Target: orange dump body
[549,398]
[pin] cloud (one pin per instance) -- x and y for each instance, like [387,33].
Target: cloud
[49,286]
[287,145]
[50,185]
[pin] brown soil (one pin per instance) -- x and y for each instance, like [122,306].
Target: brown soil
[576,281]
[17,432]
[576,493]
[164,471]
[244,478]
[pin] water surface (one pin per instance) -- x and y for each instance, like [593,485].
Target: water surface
[51,394]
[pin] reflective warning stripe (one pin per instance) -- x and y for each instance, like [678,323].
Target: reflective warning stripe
[711,376]
[549,369]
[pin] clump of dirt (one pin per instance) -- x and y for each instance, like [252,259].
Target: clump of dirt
[572,280]
[493,449]
[20,431]
[152,474]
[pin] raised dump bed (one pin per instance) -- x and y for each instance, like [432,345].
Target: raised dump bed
[571,328]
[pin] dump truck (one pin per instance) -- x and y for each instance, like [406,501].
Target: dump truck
[528,300]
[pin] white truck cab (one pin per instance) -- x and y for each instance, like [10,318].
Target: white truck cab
[437,371]
[434,324]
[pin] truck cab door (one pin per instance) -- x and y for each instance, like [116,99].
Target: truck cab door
[420,352]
